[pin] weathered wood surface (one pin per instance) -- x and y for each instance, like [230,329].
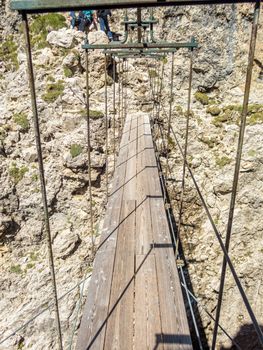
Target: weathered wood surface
[135,299]
[59,5]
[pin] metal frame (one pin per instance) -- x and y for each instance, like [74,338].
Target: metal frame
[161,45]
[37,6]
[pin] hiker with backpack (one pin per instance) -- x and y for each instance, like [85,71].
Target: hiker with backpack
[86,19]
[104,22]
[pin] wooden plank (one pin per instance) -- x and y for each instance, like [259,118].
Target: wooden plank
[119,333]
[175,330]
[94,319]
[130,179]
[147,313]
[144,238]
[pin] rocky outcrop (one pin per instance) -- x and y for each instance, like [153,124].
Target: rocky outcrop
[223,34]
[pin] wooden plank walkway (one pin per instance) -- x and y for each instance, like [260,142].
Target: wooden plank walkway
[135,299]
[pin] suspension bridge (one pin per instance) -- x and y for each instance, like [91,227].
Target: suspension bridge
[138,294]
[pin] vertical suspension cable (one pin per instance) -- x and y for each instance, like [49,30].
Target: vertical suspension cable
[122,96]
[106,127]
[41,173]
[114,110]
[237,170]
[170,113]
[159,98]
[185,152]
[126,88]
[89,149]
[119,103]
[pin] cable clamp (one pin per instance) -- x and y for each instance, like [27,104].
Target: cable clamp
[180,263]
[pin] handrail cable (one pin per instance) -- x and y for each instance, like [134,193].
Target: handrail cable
[169,214]
[218,235]
[106,126]
[208,313]
[185,150]
[74,328]
[42,311]
[188,292]
[237,168]
[89,150]
[42,174]
[119,104]
[114,110]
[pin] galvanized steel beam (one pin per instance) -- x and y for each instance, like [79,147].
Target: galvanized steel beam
[36,6]
[158,45]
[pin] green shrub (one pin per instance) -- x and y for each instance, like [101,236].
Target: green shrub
[43,24]
[210,142]
[16,173]
[75,150]
[255,118]
[202,98]
[252,153]
[21,120]
[33,256]
[53,91]
[213,110]
[68,72]
[16,269]
[152,73]
[221,162]
[93,114]
[8,53]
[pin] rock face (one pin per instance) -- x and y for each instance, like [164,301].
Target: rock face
[219,72]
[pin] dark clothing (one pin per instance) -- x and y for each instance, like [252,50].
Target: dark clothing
[85,19]
[103,13]
[104,23]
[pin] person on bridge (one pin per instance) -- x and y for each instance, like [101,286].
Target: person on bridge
[104,22]
[86,19]
[73,20]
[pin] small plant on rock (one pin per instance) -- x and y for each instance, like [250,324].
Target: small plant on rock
[8,53]
[16,269]
[16,173]
[21,120]
[202,98]
[213,110]
[68,72]
[53,91]
[75,150]
[223,161]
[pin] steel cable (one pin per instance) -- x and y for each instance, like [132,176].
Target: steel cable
[42,174]
[185,150]
[114,110]
[89,150]
[106,127]
[218,235]
[42,311]
[237,170]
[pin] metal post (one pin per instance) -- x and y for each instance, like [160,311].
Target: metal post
[119,103]
[41,173]
[185,152]
[237,168]
[171,99]
[139,23]
[89,148]
[114,111]
[106,127]
[170,113]
[122,93]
